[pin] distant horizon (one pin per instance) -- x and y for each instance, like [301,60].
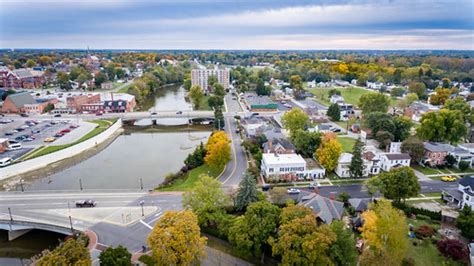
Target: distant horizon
[244,50]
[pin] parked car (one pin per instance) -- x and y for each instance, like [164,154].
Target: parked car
[448,178]
[50,139]
[65,131]
[293,191]
[35,131]
[85,203]
[179,112]
[19,129]
[58,135]
[11,132]
[5,161]
[335,130]
[98,114]
[57,115]
[73,126]
[153,113]
[23,115]
[14,145]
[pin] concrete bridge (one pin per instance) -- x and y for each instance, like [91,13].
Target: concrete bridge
[161,114]
[17,228]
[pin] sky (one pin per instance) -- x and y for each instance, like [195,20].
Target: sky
[238,25]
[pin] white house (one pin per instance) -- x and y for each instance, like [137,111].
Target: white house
[278,165]
[336,99]
[342,169]
[395,147]
[374,162]
[463,195]
[394,160]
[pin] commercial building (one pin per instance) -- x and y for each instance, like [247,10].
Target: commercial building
[76,102]
[27,78]
[200,77]
[15,103]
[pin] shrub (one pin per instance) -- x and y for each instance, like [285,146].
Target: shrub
[409,210]
[423,217]
[452,248]
[424,231]
[463,165]
[147,260]
[408,262]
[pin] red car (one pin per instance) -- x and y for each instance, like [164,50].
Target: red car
[65,130]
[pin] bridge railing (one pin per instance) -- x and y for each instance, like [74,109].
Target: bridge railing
[63,228]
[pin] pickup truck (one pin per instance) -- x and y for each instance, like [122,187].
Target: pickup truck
[85,203]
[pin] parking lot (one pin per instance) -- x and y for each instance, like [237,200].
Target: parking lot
[32,133]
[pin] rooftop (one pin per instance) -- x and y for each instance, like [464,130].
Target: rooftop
[437,147]
[398,156]
[271,158]
[326,209]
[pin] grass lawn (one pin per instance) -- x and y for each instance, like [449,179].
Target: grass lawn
[191,178]
[102,126]
[204,105]
[351,95]
[347,143]
[124,89]
[347,182]
[457,171]
[425,253]
[425,170]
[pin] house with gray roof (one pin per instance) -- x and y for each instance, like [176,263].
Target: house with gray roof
[278,145]
[463,195]
[325,209]
[15,103]
[394,160]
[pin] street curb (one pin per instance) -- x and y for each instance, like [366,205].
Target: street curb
[93,239]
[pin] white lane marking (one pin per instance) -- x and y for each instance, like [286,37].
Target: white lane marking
[158,214]
[145,224]
[157,218]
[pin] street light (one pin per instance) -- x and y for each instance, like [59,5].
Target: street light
[80,183]
[141,204]
[10,212]
[21,185]
[141,184]
[70,222]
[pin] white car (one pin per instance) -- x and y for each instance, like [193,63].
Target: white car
[293,191]
[5,161]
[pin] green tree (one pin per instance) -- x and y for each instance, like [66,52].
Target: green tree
[216,102]
[30,63]
[250,233]
[397,184]
[187,84]
[247,193]
[118,256]
[212,80]
[343,251]
[356,168]
[414,147]
[385,234]
[292,212]
[296,83]
[63,81]
[294,119]
[465,222]
[100,78]
[219,90]
[278,195]
[445,125]
[71,252]
[402,128]
[334,112]
[176,239]
[374,102]
[207,200]
[306,142]
[460,104]
[196,94]
[418,88]
[219,121]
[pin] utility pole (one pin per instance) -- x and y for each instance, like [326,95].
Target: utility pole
[141,204]
[21,185]
[10,212]
[80,183]
[141,183]
[70,222]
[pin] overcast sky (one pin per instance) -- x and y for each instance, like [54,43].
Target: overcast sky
[246,24]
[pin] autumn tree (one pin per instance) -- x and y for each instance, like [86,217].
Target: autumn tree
[207,200]
[196,94]
[292,212]
[294,119]
[300,241]
[374,102]
[397,184]
[218,155]
[414,147]
[247,192]
[356,168]
[250,233]
[118,256]
[443,126]
[334,112]
[71,252]
[176,239]
[296,83]
[30,63]
[328,152]
[440,97]
[384,232]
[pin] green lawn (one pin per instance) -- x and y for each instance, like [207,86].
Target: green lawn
[125,88]
[351,95]
[347,143]
[425,253]
[425,170]
[191,178]
[204,105]
[102,125]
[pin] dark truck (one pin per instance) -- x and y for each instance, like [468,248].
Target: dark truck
[85,203]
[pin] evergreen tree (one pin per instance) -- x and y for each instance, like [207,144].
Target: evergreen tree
[219,119]
[247,191]
[334,112]
[356,168]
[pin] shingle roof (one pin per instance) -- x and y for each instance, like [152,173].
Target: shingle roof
[359,205]
[398,156]
[22,98]
[281,141]
[467,181]
[437,147]
[326,209]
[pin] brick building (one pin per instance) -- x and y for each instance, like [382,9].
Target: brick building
[76,102]
[21,78]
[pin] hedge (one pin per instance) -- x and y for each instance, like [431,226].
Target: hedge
[409,210]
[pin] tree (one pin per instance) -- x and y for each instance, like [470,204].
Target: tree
[445,125]
[247,193]
[45,60]
[333,92]
[63,81]
[374,102]
[397,184]
[414,147]
[384,232]
[187,84]
[30,63]
[446,83]
[463,165]
[343,251]
[459,104]
[219,121]
[207,200]
[250,233]
[334,112]
[450,160]
[297,85]
[418,88]
[402,128]
[440,97]
[218,154]
[215,102]
[212,80]
[115,256]
[219,90]
[196,94]
[176,239]
[261,88]
[278,195]
[196,158]
[384,138]
[292,212]
[99,79]
[328,152]
[71,252]
[294,119]
[356,168]
[306,142]
[301,241]
[465,222]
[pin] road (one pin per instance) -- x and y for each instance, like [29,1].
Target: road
[116,219]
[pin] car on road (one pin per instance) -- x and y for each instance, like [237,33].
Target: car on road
[293,191]
[14,145]
[73,126]
[335,130]
[153,113]
[23,115]
[99,114]
[5,121]
[35,131]
[448,178]
[85,203]
[57,115]
[179,112]
[19,129]
[58,135]
[5,161]
[49,139]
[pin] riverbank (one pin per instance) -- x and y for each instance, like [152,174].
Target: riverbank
[49,164]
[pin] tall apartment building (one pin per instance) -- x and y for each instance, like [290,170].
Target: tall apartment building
[200,77]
